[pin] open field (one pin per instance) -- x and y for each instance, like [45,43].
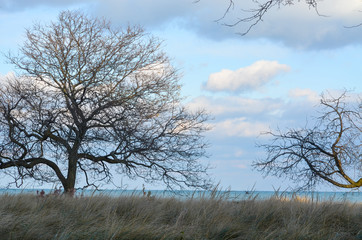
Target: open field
[27,216]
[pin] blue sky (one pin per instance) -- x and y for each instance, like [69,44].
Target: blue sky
[271,77]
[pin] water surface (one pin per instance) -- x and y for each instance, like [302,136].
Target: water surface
[352,196]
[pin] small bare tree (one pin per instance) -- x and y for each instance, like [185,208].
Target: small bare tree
[93,100]
[331,151]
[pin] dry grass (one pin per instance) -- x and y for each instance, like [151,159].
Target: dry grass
[138,217]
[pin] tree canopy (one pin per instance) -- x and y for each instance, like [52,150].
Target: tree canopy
[92,100]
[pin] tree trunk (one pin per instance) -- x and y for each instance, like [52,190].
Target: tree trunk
[72,172]
[69,188]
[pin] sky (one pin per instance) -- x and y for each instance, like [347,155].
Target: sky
[272,77]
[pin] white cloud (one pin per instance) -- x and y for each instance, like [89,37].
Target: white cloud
[304,94]
[241,166]
[235,105]
[245,79]
[239,127]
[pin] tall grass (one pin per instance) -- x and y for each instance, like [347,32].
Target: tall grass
[27,216]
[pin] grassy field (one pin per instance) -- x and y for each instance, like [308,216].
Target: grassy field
[140,217]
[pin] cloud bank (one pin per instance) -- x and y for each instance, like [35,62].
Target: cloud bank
[296,26]
[245,79]
[234,106]
[245,117]
[239,127]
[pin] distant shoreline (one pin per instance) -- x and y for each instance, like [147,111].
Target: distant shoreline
[232,195]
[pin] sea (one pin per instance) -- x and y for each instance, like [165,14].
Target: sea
[351,196]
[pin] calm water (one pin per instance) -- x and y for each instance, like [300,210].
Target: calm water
[231,195]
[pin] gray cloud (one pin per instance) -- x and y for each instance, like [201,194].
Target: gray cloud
[148,13]
[18,5]
[295,26]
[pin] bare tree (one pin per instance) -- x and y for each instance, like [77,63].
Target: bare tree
[90,100]
[252,16]
[331,151]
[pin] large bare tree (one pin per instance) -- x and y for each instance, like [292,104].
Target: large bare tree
[90,100]
[330,151]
